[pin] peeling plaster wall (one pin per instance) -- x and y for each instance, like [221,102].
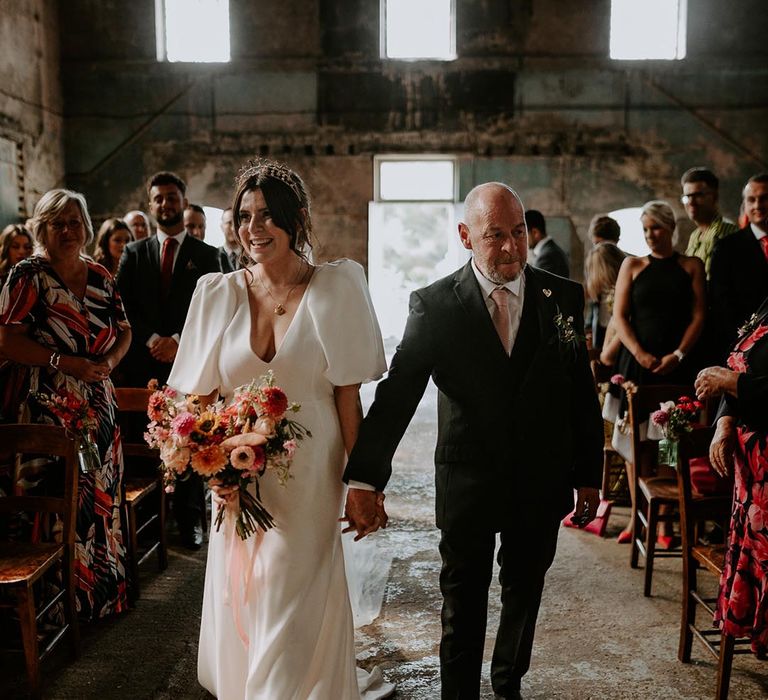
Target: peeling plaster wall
[531,99]
[30,98]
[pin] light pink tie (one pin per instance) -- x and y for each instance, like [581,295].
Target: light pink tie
[500,316]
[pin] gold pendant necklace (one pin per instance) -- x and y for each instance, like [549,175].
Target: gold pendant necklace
[279,308]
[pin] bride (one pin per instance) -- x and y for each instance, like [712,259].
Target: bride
[283,630]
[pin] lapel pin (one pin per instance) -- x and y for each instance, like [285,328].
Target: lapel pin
[547,292]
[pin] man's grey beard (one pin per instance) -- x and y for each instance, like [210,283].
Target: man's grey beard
[496,278]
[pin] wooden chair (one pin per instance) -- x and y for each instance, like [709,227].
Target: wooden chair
[654,497]
[614,487]
[693,510]
[144,492]
[23,564]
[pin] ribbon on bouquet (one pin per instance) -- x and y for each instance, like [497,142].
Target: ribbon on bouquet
[239,572]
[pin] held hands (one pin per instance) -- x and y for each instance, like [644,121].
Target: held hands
[164,349]
[646,360]
[364,511]
[223,494]
[666,364]
[722,446]
[714,381]
[84,369]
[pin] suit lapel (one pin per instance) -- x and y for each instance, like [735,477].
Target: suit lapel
[183,259]
[470,297]
[545,303]
[153,249]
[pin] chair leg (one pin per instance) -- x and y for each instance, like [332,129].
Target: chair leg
[688,617]
[650,545]
[134,557]
[162,548]
[724,663]
[26,609]
[71,605]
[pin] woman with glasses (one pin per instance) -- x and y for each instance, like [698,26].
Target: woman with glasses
[62,319]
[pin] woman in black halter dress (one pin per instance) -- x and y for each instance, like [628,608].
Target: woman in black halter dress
[659,308]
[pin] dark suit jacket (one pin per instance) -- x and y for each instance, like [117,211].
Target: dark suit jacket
[738,283]
[552,258]
[514,432]
[138,279]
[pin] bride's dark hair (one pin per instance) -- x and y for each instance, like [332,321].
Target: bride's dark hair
[286,197]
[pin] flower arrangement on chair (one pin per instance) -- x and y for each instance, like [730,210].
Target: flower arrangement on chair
[233,443]
[675,419]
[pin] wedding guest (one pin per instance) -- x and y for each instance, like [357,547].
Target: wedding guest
[15,246]
[111,240]
[231,249]
[139,224]
[740,446]
[156,278]
[659,312]
[195,222]
[601,268]
[546,254]
[62,318]
[315,329]
[604,229]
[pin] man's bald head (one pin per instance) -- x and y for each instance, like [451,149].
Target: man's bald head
[494,230]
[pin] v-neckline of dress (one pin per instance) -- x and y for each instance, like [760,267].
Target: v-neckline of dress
[288,332]
[52,272]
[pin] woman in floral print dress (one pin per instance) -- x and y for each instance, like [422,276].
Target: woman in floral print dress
[741,443]
[62,319]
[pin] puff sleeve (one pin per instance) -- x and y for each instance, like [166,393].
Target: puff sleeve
[196,368]
[346,324]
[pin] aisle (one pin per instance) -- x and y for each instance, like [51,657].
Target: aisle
[597,638]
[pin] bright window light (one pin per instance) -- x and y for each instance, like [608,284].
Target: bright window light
[648,29]
[416,180]
[419,29]
[192,30]
[632,239]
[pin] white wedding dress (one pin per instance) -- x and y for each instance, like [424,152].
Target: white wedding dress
[290,635]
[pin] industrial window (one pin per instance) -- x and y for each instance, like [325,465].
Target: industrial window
[422,179]
[418,30]
[648,29]
[196,31]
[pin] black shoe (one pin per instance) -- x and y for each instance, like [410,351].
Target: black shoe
[192,538]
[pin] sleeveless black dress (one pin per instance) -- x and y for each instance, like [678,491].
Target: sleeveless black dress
[661,308]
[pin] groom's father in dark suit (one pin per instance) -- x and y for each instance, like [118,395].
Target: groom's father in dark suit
[156,278]
[519,428]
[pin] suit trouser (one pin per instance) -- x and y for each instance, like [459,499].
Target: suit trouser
[526,552]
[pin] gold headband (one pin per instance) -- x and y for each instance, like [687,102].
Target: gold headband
[270,168]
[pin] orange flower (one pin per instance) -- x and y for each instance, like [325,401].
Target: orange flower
[209,461]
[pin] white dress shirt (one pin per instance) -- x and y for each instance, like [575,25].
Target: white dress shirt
[759,233]
[537,248]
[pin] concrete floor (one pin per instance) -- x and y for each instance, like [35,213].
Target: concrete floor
[598,637]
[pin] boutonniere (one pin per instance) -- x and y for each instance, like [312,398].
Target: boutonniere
[191,265]
[749,326]
[566,333]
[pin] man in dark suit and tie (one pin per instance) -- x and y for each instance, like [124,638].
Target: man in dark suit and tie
[156,277]
[738,273]
[519,429]
[545,253]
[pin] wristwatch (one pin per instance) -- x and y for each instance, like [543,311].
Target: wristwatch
[679,354]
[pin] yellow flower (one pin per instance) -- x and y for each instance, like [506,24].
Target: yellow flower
[209,461]
[207,423]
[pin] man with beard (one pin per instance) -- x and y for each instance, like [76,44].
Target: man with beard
[500,339]
[156,278]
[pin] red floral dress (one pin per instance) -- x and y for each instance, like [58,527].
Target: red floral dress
[742,608]
[35,296]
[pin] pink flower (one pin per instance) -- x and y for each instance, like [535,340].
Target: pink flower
[175,458]
[259,459]
[170,393]
[156,407]
[661,418]
[290,447]
[242,457]
[184,424]
[617,379]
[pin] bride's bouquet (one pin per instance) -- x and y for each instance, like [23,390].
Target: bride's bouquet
[232,444]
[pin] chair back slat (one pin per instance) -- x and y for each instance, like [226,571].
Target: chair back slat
[49,440]
[132,400]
